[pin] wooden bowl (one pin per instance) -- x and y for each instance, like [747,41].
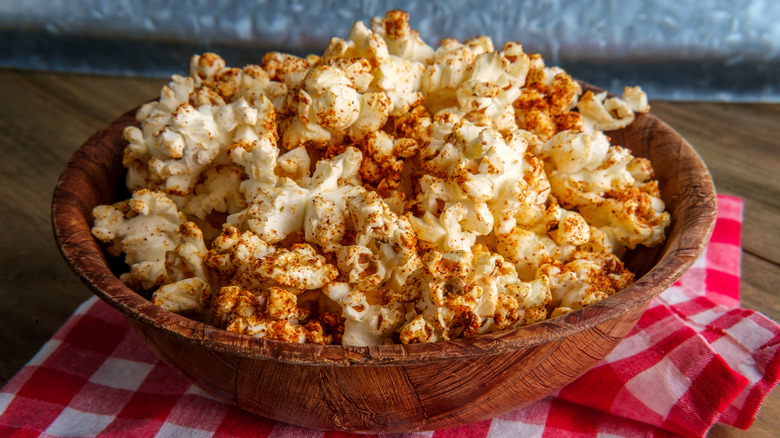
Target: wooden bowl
[391,388]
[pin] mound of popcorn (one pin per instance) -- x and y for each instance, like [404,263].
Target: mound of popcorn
[384,192]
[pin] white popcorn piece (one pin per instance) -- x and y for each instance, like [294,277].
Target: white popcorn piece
[324,224]
[588,278]
[401,39]
[478,168]
[445,232]
[275,212]
[396,76]
[636,99]
[234,256]
[190,296]
[187,259]
[604,114]
[610,188]
[177,144]
[280,210]
[328,99]
[271,315]
[219,192]
[299,268]
[462,293]
[144,228]
[366,323]
[294,164]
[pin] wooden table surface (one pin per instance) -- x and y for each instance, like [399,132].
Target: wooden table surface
[44,117]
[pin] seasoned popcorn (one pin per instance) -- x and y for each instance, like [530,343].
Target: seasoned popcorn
[384,192]
[144,228]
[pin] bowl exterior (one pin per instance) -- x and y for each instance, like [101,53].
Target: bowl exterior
[392,398]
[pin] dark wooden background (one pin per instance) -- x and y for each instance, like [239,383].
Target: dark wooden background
[44,117]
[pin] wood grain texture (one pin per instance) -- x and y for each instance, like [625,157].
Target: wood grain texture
[437,385]
[46,116]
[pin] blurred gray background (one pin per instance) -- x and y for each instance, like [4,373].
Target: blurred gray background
[718,50]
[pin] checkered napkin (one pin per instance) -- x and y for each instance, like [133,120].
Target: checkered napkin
[693,359]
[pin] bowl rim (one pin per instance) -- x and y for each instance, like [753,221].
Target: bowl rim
[71,224]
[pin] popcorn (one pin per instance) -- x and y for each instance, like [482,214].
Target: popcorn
[398,77]
[294,164]
[545,105]
[274,315]
[143,228]
[299,268]
[189,290]
[460,293]
[610,188]
[605,114]
[179,143]
[369,320]
[383,159]
[280,210]
[233,257]
[384,192]
[588,278]
[477,167]
[218,192]
[188,296]
[636,99]
[186,260]
[401,39]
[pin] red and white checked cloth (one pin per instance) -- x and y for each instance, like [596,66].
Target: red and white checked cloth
[693,359]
